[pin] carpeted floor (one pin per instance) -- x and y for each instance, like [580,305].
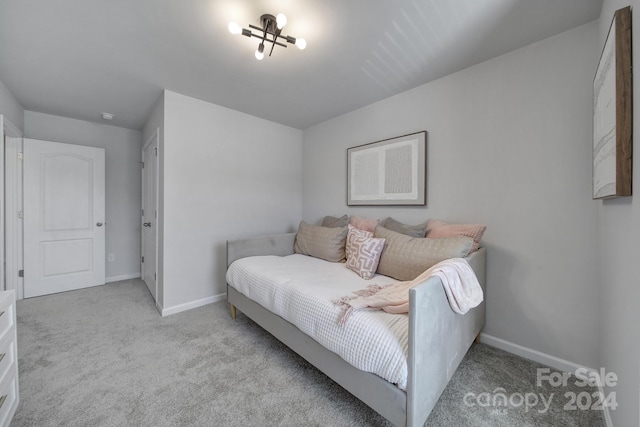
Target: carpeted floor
[104,357]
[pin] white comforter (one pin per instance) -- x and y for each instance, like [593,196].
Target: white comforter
[300,289]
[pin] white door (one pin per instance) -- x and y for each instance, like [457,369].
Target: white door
[64,220]
[149,213]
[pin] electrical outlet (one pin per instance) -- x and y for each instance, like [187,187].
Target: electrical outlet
[111,258]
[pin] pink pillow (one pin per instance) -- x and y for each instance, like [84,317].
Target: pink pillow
[362,223]
[362,234]
[442,230]
[363,252]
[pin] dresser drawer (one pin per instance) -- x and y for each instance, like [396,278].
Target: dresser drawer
[8,400]
[9,397]
[7,354]
[6,318]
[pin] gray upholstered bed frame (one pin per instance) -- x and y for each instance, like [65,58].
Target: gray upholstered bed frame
[438,339]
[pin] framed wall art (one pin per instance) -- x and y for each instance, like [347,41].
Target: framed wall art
[612,112]
[388,172]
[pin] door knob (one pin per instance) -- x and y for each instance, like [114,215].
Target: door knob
[147,224]
[99,224]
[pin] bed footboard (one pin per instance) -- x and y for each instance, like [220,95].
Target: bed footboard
[438,341]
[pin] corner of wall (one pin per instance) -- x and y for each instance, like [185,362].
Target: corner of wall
[156,122]
[11,109]
[618,230]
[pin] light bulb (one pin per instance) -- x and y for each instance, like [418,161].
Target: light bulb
[301,43]
[281,20]
[259,55]
[234,28]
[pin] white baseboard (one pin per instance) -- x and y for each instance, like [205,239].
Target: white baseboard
[531,354]
[122,277]
[192,304]
[544,359]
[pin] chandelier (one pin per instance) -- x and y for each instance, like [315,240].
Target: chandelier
[270,32]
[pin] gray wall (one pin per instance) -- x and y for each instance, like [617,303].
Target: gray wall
[509,147]
[618,236]
[11,108]
[123,181]
[226,175]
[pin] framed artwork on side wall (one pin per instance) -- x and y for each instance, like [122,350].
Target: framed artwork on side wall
[388,172]
[612,112]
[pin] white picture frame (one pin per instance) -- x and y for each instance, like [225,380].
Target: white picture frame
[388,172]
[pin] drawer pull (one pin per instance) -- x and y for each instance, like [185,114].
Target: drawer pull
[2,399]
[2,356]
[1,313]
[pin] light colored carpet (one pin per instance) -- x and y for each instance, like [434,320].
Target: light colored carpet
[104,357]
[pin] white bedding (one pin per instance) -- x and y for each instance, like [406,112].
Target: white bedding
[300,289]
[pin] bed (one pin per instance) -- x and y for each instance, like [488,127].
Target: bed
[431,324]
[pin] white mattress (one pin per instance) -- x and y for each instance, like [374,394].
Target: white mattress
[300,289]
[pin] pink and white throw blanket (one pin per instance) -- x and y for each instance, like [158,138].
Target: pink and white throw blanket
[458,279]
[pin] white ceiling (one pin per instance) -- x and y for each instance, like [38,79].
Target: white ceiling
[78,58]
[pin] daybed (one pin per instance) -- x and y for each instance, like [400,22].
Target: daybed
[438,338]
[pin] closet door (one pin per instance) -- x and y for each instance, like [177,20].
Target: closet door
[150,215]
[64,217]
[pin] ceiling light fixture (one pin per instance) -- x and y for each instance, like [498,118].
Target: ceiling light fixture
[107,116]
[270,33]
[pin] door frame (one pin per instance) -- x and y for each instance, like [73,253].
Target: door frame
[11,181]
[155,137]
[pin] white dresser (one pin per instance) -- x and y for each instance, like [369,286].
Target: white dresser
[8,358]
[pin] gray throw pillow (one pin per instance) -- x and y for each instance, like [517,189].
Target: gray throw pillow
[410,230]
[332,221]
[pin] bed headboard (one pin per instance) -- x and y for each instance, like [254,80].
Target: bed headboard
[277,244]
